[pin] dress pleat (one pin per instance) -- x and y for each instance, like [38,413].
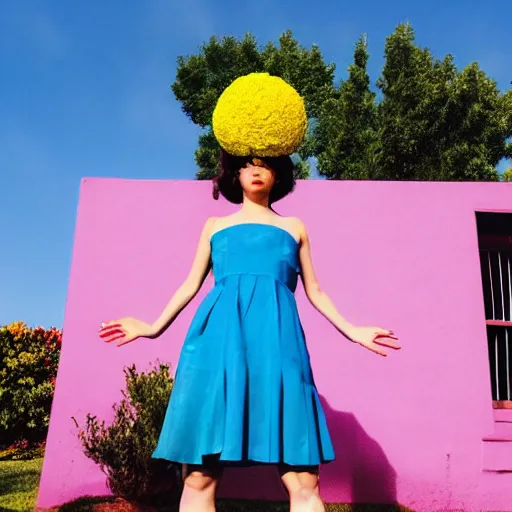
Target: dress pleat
[244,390]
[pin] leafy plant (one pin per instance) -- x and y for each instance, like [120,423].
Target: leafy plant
[201,79]
[123,449]
[29,359]
[426,119]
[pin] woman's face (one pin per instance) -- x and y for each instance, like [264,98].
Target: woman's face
[257,178]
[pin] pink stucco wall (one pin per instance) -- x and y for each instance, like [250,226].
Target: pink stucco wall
[407,428]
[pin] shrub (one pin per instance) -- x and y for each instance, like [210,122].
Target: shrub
[123,449]
[29,358]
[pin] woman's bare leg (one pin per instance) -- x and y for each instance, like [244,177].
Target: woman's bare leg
[303,488]
[199,486]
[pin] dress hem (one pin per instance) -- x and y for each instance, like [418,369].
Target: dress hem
[240,463]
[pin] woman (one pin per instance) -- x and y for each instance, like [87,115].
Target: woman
[244,391]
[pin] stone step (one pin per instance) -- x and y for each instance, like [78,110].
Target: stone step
[494,492]
[502,415]
[503,429]
[497,454]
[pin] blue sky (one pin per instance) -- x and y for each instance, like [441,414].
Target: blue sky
[84,91]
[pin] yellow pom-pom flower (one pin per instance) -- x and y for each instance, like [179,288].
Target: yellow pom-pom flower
[260,115]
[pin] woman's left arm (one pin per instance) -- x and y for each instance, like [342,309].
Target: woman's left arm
[372,338]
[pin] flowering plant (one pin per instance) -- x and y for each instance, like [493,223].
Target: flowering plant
[260,115]
[29,359]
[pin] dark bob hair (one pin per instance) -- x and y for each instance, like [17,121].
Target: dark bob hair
[227,183]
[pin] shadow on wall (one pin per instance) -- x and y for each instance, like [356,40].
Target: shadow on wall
[361,471]
[360,474]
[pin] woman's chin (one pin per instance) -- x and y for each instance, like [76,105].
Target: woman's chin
[257,193]
[258,189]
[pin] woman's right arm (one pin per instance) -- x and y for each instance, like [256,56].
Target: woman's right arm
[128,329]
[192,284]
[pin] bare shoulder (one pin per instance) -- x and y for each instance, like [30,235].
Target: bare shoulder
[208,226]
[297,223]
[218,223]
[296,227]
[210,222]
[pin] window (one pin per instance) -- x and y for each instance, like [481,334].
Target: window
[495,244]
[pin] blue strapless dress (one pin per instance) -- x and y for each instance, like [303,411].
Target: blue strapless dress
[244,390]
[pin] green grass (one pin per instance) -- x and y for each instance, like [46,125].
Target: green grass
[19,480]
[86,504]
[283,507]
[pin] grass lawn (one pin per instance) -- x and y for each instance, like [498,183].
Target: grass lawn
[19,482]
[86,505]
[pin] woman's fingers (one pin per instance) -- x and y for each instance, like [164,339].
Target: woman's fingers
[109,328]
[373,347]
[109,325]
[114,331]
[377,351]
[119,335]
[113,336]
[126,340]
[387,341]
[385,333]
[108,334]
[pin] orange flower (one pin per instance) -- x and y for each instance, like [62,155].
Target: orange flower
[18,329]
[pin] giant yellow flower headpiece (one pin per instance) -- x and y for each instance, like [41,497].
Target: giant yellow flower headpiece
[260,115]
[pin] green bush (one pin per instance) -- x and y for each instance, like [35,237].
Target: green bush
[29,358]
[123,449]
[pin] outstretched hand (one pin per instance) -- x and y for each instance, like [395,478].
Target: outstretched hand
[124,330]
[374,339]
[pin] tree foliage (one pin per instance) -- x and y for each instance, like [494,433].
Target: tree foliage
[507,175]
[346,139]
[28,367]
[202,78]
[437,123]
[432,121]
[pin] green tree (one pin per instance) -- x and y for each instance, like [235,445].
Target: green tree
[476,132]
[346,142]
[302,169]
[507,175]
[201,79]
[415,90]
[432,123]
[207,155]
[437,123]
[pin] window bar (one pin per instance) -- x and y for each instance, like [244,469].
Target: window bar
[509,397]
[496,364]
[492,289]
[501,287]
[509,290]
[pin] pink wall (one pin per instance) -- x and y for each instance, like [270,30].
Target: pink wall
[407,428]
